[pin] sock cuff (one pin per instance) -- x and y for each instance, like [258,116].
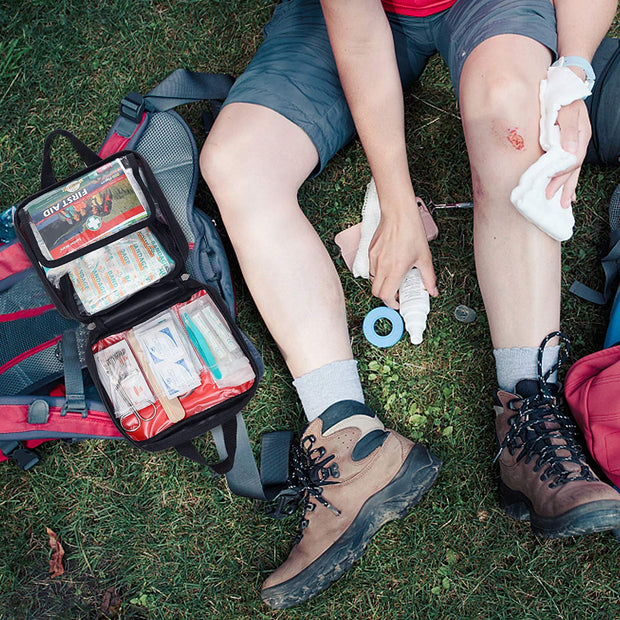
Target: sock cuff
[329,384]
[516,363]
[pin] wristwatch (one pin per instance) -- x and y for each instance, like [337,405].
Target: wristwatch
[582,63]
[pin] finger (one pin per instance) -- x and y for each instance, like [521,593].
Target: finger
[428,278]
[384,288]
[568,122]
[389,291]
[379,291]
[568,193]
[555,184]
[372,267]
[557,181]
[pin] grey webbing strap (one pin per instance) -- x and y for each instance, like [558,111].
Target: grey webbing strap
[244,478]
[610,268]
[74,382]
[183,86]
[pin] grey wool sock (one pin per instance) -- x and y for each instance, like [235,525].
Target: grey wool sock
[329,384]
[518,363]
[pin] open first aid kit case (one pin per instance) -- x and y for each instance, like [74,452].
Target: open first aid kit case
[164,352]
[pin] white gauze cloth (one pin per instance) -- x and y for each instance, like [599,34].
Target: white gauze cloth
[414,298]
[560,88]
[371,216]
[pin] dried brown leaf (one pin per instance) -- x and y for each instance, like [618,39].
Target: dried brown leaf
[58,553]
[111,603]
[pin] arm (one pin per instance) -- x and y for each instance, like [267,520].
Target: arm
[362,43]
[581,28]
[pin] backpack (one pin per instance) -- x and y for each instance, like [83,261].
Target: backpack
[44,393]
[592,391]
[603,108]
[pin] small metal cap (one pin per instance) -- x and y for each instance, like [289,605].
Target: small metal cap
[465,314]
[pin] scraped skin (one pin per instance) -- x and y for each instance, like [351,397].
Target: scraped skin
[516,139]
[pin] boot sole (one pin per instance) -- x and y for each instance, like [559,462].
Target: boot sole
[597,516]
[415,477]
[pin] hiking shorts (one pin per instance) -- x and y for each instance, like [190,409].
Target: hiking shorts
[295,74]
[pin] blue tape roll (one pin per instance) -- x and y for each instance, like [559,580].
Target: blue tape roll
[383,312]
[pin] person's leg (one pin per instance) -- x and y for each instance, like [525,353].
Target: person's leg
[518,265]
[283,120]
[254,161]
[279,123]
[544,474]
[498,109]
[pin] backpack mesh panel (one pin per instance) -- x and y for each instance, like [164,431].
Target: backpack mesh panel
[614,210]
[172,161]
[21,335]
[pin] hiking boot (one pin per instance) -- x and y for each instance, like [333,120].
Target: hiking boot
[544,474]
[354,476]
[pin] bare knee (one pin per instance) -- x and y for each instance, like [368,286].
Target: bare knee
[217,164]
[254,157]
[503,110]
[501,116]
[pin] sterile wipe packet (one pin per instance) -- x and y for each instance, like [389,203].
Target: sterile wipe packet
[215,343]
[169,354]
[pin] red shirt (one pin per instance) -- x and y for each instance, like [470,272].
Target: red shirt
[417,8]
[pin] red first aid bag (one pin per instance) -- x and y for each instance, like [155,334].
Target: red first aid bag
[592,391]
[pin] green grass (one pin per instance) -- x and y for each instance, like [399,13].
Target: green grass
[172,540]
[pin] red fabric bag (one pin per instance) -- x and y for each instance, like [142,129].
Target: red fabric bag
[592,391]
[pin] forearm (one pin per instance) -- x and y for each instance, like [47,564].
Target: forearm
[362,43]
[582,25]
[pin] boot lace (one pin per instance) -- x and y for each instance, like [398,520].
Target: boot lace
[539,423]
[311,470]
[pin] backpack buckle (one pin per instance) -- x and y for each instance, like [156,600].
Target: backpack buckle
[24,458]
[132,107]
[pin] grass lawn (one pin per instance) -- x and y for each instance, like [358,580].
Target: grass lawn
[172,540]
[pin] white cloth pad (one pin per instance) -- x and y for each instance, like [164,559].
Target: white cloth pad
[561,88]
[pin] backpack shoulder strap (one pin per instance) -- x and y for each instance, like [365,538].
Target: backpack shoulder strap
[610,262]
[183,86]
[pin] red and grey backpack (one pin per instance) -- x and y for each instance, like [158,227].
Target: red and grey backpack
[45,391]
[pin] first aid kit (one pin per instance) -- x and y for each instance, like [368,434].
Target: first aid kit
[111,255]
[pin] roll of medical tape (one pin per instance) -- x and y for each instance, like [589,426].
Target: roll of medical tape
[392,317]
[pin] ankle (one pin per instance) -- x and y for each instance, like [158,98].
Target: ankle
[336,382]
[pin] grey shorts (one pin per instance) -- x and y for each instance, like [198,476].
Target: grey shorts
[294,72]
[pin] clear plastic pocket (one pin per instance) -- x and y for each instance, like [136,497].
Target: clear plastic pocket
[109,275]
[181,362]
[100,203]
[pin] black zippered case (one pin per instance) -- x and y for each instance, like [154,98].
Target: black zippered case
[65,237]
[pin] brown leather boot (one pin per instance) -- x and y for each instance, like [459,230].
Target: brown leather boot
[543,469]
[354,476]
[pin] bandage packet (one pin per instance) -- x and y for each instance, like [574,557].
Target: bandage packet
[112,273]
[169,354]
